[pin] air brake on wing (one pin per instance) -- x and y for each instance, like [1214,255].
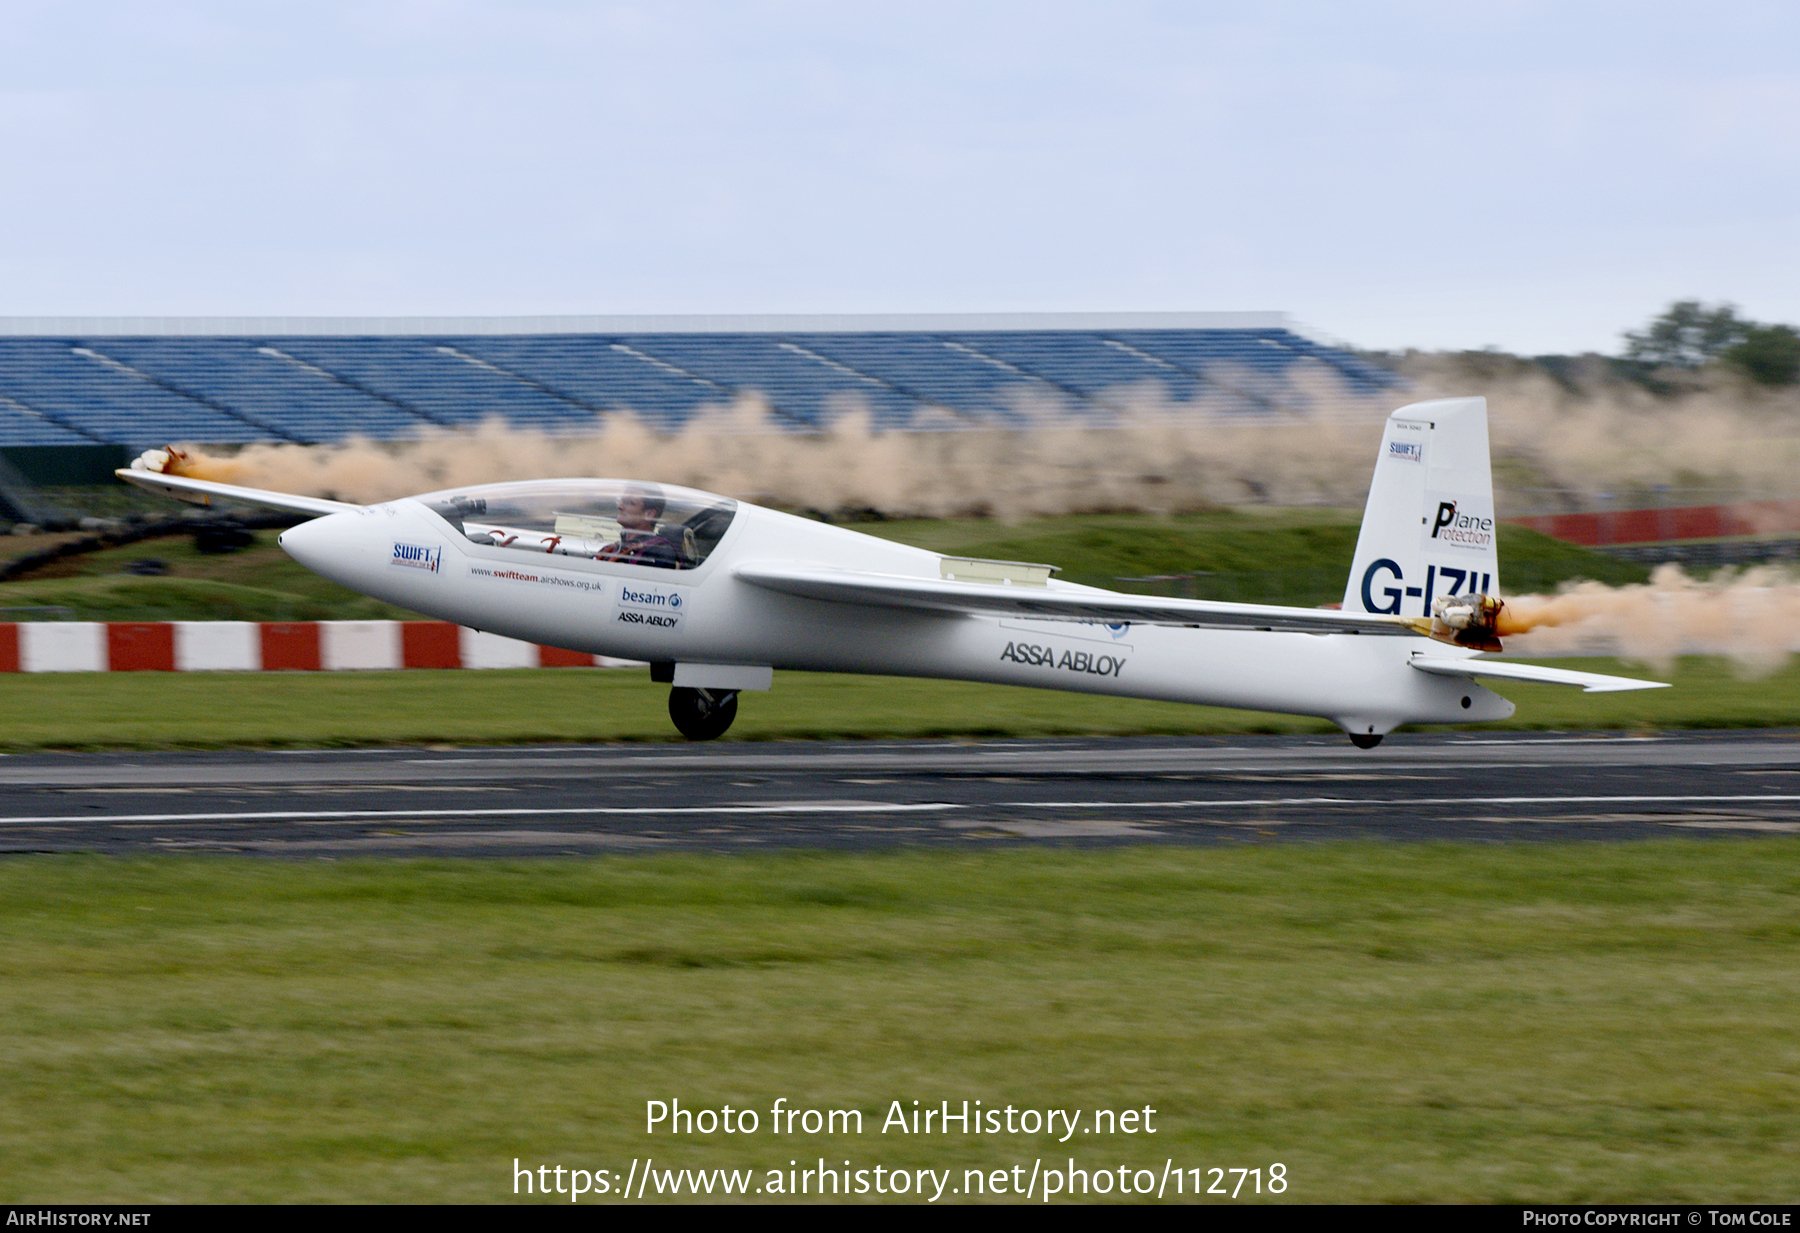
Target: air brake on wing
[1006,573]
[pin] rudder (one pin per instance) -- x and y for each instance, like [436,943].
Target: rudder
[1428,529]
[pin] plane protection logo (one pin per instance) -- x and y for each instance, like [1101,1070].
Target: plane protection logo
[648,606]
[1455,525]
[414,556]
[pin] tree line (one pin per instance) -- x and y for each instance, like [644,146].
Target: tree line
[1692,335]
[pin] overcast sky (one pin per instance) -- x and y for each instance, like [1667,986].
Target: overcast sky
[1536,176]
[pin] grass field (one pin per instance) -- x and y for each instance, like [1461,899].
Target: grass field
[1391,1022]
[1424,1022]
[198,710]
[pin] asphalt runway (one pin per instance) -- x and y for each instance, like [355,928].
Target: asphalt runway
[736,797]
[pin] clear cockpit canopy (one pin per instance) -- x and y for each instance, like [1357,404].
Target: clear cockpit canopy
[623,521]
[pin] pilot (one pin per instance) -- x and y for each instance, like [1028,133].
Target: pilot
[640,505]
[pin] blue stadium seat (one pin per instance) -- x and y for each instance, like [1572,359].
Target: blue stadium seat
[143,390]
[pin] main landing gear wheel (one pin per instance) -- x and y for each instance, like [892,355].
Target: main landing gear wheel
[1362,740]
[704,714]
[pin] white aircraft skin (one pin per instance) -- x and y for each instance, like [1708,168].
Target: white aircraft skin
[725,620]
[779,592]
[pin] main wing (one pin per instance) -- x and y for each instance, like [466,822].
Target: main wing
[204,492]
[1058,603]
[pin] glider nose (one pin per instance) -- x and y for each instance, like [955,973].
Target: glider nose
[318,544]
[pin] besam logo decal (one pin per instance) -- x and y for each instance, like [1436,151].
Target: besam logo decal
[415,556]
[645,597]
[650,607]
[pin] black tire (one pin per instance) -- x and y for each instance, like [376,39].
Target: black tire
[1364,740]
[702,714]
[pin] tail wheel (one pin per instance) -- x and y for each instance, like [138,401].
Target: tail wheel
[1364,740]
[702,714]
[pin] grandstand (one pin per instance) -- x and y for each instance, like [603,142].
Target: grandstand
[126,384]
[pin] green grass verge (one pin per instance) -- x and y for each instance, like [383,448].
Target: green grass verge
[260,583]
[1266,556]
[149,710]
[1393,1023]
[122,597]
[1290,556]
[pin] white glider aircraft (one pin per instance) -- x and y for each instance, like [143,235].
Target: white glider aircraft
[716,594]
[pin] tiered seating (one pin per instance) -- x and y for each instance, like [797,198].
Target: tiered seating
[1090,367]
[593,370]
[797,381]
[146,390]
[444,379]
[1247,368]
[108,402]
[266,384]
[925,368]
[19,426]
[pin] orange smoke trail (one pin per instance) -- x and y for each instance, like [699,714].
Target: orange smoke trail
[1156,457]
[194,464]
[1752,617]
[1551,446]
[1518,616]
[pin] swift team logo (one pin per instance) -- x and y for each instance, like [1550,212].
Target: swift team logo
[1406,451]
[413,556]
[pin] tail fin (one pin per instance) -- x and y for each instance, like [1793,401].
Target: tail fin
[1428,530]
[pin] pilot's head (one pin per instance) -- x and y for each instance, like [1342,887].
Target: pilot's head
[640,505]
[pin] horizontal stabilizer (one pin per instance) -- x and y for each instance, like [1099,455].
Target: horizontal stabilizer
[205,492]
[1050,602]
[1590,682]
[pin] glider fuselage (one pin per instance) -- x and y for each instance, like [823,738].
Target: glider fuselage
[405,553]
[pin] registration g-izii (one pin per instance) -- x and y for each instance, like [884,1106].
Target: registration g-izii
[717,594]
